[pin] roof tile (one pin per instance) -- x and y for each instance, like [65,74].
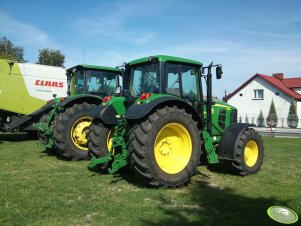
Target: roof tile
[285,85]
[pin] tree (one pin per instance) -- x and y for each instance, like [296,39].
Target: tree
[272,118]
[292,118]
[240,120]
[246,120]
[51,57]
[9,51]
[260,119]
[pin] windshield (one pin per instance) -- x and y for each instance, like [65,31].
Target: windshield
[144,79]
[187,76]
[78,83]
[101,83]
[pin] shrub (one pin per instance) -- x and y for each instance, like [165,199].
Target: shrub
[260,119]
[272,118]
[292,118]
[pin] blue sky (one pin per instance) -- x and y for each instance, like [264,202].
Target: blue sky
[246,37]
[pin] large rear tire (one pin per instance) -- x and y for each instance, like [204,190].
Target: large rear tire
[70,131]
[165,148]
[99,140]
[249,153]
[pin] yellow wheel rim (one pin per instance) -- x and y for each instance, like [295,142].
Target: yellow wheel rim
[173,148]
[79,132]
[251,153]
[110,139]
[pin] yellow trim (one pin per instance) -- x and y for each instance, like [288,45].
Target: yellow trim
[251,153]
[79,132]
[110,139]
[173,148]
[223,106]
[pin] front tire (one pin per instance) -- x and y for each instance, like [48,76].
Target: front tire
[70,131]
[99,140]
[165,148]
[249,153]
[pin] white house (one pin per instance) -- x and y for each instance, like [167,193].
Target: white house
[258,92]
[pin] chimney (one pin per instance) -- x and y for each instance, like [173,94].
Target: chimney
[278,76]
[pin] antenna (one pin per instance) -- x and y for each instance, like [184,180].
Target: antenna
[84,56]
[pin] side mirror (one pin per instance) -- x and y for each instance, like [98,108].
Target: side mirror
[219,72]
[202,71]
[118,90]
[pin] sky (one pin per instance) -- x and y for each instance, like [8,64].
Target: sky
[246,37]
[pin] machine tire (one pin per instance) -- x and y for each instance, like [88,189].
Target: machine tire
[99,140]
[75,118]
[248,153]
[167,132]
[32,135]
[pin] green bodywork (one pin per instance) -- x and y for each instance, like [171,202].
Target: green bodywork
[14,96]
[118,154]
[47,127]
[164,58]
[118,103]
[119,159]
[58,105]
[155,96]
[221,120]
[95,67]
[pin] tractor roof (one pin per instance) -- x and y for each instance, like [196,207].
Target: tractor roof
[94,67]
[165,58]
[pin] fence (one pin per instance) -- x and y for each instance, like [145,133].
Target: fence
[279,132]
[279,123]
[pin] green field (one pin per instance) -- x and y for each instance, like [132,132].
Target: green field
[38,189]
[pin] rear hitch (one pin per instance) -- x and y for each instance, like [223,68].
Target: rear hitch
[118,155]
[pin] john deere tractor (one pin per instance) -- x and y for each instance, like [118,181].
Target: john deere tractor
[164,125]
[65,122]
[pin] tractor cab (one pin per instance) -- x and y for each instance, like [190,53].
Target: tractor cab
[163,76]
[90,79]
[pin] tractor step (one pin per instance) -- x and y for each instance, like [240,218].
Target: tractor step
[99,161]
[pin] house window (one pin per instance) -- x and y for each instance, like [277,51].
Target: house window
[258,94]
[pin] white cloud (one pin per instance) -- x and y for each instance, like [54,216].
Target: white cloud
[287,21]
[268,34]
[24,34]
[116,23]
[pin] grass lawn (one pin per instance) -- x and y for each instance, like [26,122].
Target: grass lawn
[38,189]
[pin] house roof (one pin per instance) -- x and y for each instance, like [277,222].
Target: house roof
[284,85]
[292,82]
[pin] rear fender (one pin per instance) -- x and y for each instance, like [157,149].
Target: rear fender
[230,138]
[91,99]
[107,114]
[139,111]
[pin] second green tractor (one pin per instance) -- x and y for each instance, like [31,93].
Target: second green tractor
[66,121]
[165,123]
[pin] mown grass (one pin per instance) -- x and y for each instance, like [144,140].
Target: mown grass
[38,189]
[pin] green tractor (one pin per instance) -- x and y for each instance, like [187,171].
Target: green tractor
[163,126]
[65,122]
